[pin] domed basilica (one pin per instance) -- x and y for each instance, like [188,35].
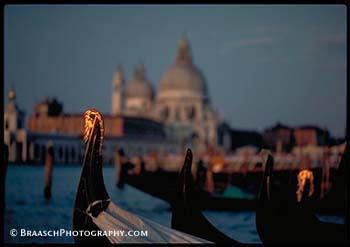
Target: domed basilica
[181,103]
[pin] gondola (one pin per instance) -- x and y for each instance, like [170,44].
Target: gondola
[148,182]
[186,214]
[337,192]
[281,218]
[94,212]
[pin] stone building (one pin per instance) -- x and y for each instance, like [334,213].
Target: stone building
[139,95]
[309,135]
[283,138]
[279,138]
[48,107]
[137,135]
[48,124]
[182,102]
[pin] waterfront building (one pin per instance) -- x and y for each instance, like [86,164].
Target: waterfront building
[309,135]
[137,135]
[142,119]
[48,124]
[278,138]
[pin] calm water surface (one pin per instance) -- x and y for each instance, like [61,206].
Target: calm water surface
[26,207]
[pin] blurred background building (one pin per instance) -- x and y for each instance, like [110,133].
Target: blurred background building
[144,120]
[181,103]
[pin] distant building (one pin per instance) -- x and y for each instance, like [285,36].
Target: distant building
[241,138]
[284,138]
[224,136]
[311,136]
[181,103]
[115,125]
[48,107]
[141,119]
[48,124]
[139,95]
[234,139]
[278,138]
[136,134]
[68,124]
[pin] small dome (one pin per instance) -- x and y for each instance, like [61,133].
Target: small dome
[139,86]
[184,75]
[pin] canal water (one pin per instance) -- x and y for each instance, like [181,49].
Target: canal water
[27,209]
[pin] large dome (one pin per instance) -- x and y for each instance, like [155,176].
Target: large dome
[184,78]
[139,86]
[183,75]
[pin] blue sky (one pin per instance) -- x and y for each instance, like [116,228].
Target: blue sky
[262,63]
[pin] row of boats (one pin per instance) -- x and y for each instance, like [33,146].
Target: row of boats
[280,218]
[235,191]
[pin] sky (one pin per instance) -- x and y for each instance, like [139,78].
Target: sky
[262,63]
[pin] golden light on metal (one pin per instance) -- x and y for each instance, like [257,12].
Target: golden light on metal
[303,176]
[91,117]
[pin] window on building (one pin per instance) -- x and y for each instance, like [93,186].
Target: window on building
[191,112]
[164,113]
[36,151]
[6,124]
[43,154]
[177,114]
[72,153]
[60,152]
[19,124]
[66,155]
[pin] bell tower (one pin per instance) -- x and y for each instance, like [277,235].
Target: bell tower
[15,135]
[118,92]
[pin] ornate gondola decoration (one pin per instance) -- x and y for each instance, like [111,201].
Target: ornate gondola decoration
[305,176]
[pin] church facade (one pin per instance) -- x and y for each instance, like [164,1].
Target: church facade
[181,103]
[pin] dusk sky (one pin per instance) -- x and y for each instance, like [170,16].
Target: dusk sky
[262,63]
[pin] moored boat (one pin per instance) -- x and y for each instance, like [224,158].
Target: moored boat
[149,182]
[95,212]
[286,215]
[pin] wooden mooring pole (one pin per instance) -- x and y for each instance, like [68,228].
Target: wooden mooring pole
[48,171]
